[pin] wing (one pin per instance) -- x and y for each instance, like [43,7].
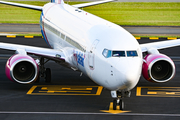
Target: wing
[160,45]
[23,5]
[91,3]
[57,55]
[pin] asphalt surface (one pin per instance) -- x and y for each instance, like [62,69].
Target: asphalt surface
[135,30]
[19,29]
[16,104]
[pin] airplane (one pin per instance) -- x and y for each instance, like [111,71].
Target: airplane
[105,52]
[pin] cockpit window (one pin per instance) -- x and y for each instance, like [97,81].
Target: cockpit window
[107,53]
[132,53]
[118,54]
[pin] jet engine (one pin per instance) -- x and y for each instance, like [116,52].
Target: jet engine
[22,69]
[158,68]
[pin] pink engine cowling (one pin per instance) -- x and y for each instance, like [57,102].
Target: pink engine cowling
[158,68]
[22,69]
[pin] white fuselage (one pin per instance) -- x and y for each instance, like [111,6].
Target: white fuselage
[93,45]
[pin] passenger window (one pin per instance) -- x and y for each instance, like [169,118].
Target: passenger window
[131,53]
[62,36]
[118,54]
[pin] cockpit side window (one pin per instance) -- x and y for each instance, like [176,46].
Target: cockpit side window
[107,53]
[132,53]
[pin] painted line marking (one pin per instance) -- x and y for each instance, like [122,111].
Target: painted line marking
[153,38]
[88,88]
[43,88]
[28,36]
[99,90]
[90,113]
[158,91]
[152,93]
[64,90]
[171,38]
[117,111]
[31,90]
[170,93]
[11,36]
[138,38]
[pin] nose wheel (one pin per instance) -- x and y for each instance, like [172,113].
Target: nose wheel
[118,102]
[118,98]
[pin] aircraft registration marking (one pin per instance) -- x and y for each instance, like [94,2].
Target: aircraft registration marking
[64,90]
[158,91]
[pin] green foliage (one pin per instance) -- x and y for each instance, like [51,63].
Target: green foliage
[12,14]
[123,13]
[139,13]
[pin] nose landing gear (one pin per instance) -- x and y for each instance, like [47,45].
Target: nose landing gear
[118,98]
[118,102]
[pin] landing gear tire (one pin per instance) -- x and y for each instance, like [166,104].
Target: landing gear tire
[48,75]
[114,104]
[118,98]
[121,103]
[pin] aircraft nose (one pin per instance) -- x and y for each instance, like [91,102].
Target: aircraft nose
[131,73]
[132,78]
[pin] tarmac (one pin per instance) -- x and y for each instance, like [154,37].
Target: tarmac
[70,96]
[135,30]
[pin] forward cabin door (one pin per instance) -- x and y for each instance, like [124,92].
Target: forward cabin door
[91,54]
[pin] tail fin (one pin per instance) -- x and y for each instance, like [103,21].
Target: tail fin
[57,1]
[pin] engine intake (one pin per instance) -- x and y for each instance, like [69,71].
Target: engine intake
[22,69]
[158,68]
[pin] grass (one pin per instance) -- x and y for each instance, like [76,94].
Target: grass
[158,36]
[11,14]
[29,34]
[122,13]
[166,14]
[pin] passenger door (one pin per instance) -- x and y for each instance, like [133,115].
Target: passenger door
[91,55]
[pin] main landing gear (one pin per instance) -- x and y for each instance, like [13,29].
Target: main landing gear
[118,98]
[44,72]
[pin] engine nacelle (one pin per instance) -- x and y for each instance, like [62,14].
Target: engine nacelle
[22,69]
[158,68]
